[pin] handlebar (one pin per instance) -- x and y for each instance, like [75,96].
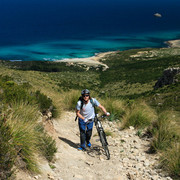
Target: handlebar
[103,116]
[98,117]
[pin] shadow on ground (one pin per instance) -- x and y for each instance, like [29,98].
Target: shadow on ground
[94,151]
[69,142]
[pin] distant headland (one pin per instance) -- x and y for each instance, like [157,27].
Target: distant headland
[173,43]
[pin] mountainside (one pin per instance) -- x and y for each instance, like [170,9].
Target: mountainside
[125,88]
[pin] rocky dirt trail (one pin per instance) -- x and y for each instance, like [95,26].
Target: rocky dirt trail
[129,160]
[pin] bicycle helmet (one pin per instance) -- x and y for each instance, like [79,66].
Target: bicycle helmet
[85,91]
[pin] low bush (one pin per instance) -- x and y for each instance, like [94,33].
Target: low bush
[55,112]
[43,101]
[15,93]
[12,93]
[47,146]
[45,143]
[44,66]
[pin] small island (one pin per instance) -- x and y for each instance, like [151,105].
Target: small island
[157,15]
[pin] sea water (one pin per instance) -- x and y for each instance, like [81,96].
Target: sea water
[61,29]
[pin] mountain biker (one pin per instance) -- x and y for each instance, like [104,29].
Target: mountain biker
[86,114]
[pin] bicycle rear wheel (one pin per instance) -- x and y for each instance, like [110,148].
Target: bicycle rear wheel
[104,143]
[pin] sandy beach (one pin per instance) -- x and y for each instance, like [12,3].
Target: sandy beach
[98,58]
[173,43]
[90,61]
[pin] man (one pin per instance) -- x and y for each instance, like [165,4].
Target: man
[86,113]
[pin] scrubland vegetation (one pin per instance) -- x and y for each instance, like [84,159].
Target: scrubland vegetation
[22,137]
[28,89]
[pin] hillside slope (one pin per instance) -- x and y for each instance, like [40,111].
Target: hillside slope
[126,90]
[129,159]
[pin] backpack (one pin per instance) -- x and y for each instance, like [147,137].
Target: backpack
[82,103]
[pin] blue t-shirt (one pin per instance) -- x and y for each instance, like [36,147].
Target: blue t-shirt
[87,110]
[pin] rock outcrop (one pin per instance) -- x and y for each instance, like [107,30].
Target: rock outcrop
[158,15]
[169,77]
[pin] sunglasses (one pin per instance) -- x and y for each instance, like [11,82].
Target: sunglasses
[85,95]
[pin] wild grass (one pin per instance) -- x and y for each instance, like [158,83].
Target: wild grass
[165,132]
[117,108]
[70,99]
[170,160]
[138,115]
[22,139]
[24,111]
[22,121]
[7,151]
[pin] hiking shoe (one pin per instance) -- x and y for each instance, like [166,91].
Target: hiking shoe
[89,144]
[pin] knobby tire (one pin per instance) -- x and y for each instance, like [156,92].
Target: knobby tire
[104,143]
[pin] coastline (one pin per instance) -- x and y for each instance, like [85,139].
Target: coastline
[173,43]
[98,58]
[95,60]
[90,61]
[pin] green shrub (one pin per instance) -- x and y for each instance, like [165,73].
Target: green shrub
[45,143]
[15,93]
[48,147]
[45,66]
[43,101]
[12,93]
[55,112]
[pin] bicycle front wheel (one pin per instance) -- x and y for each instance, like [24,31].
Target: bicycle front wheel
[104,143]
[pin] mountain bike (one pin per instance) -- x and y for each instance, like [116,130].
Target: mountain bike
[102,135]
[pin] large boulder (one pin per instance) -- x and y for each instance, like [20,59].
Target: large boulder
[169,77]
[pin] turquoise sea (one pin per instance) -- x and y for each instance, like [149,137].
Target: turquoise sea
[60,29]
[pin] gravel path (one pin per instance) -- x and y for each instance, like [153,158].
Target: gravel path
[129,160]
